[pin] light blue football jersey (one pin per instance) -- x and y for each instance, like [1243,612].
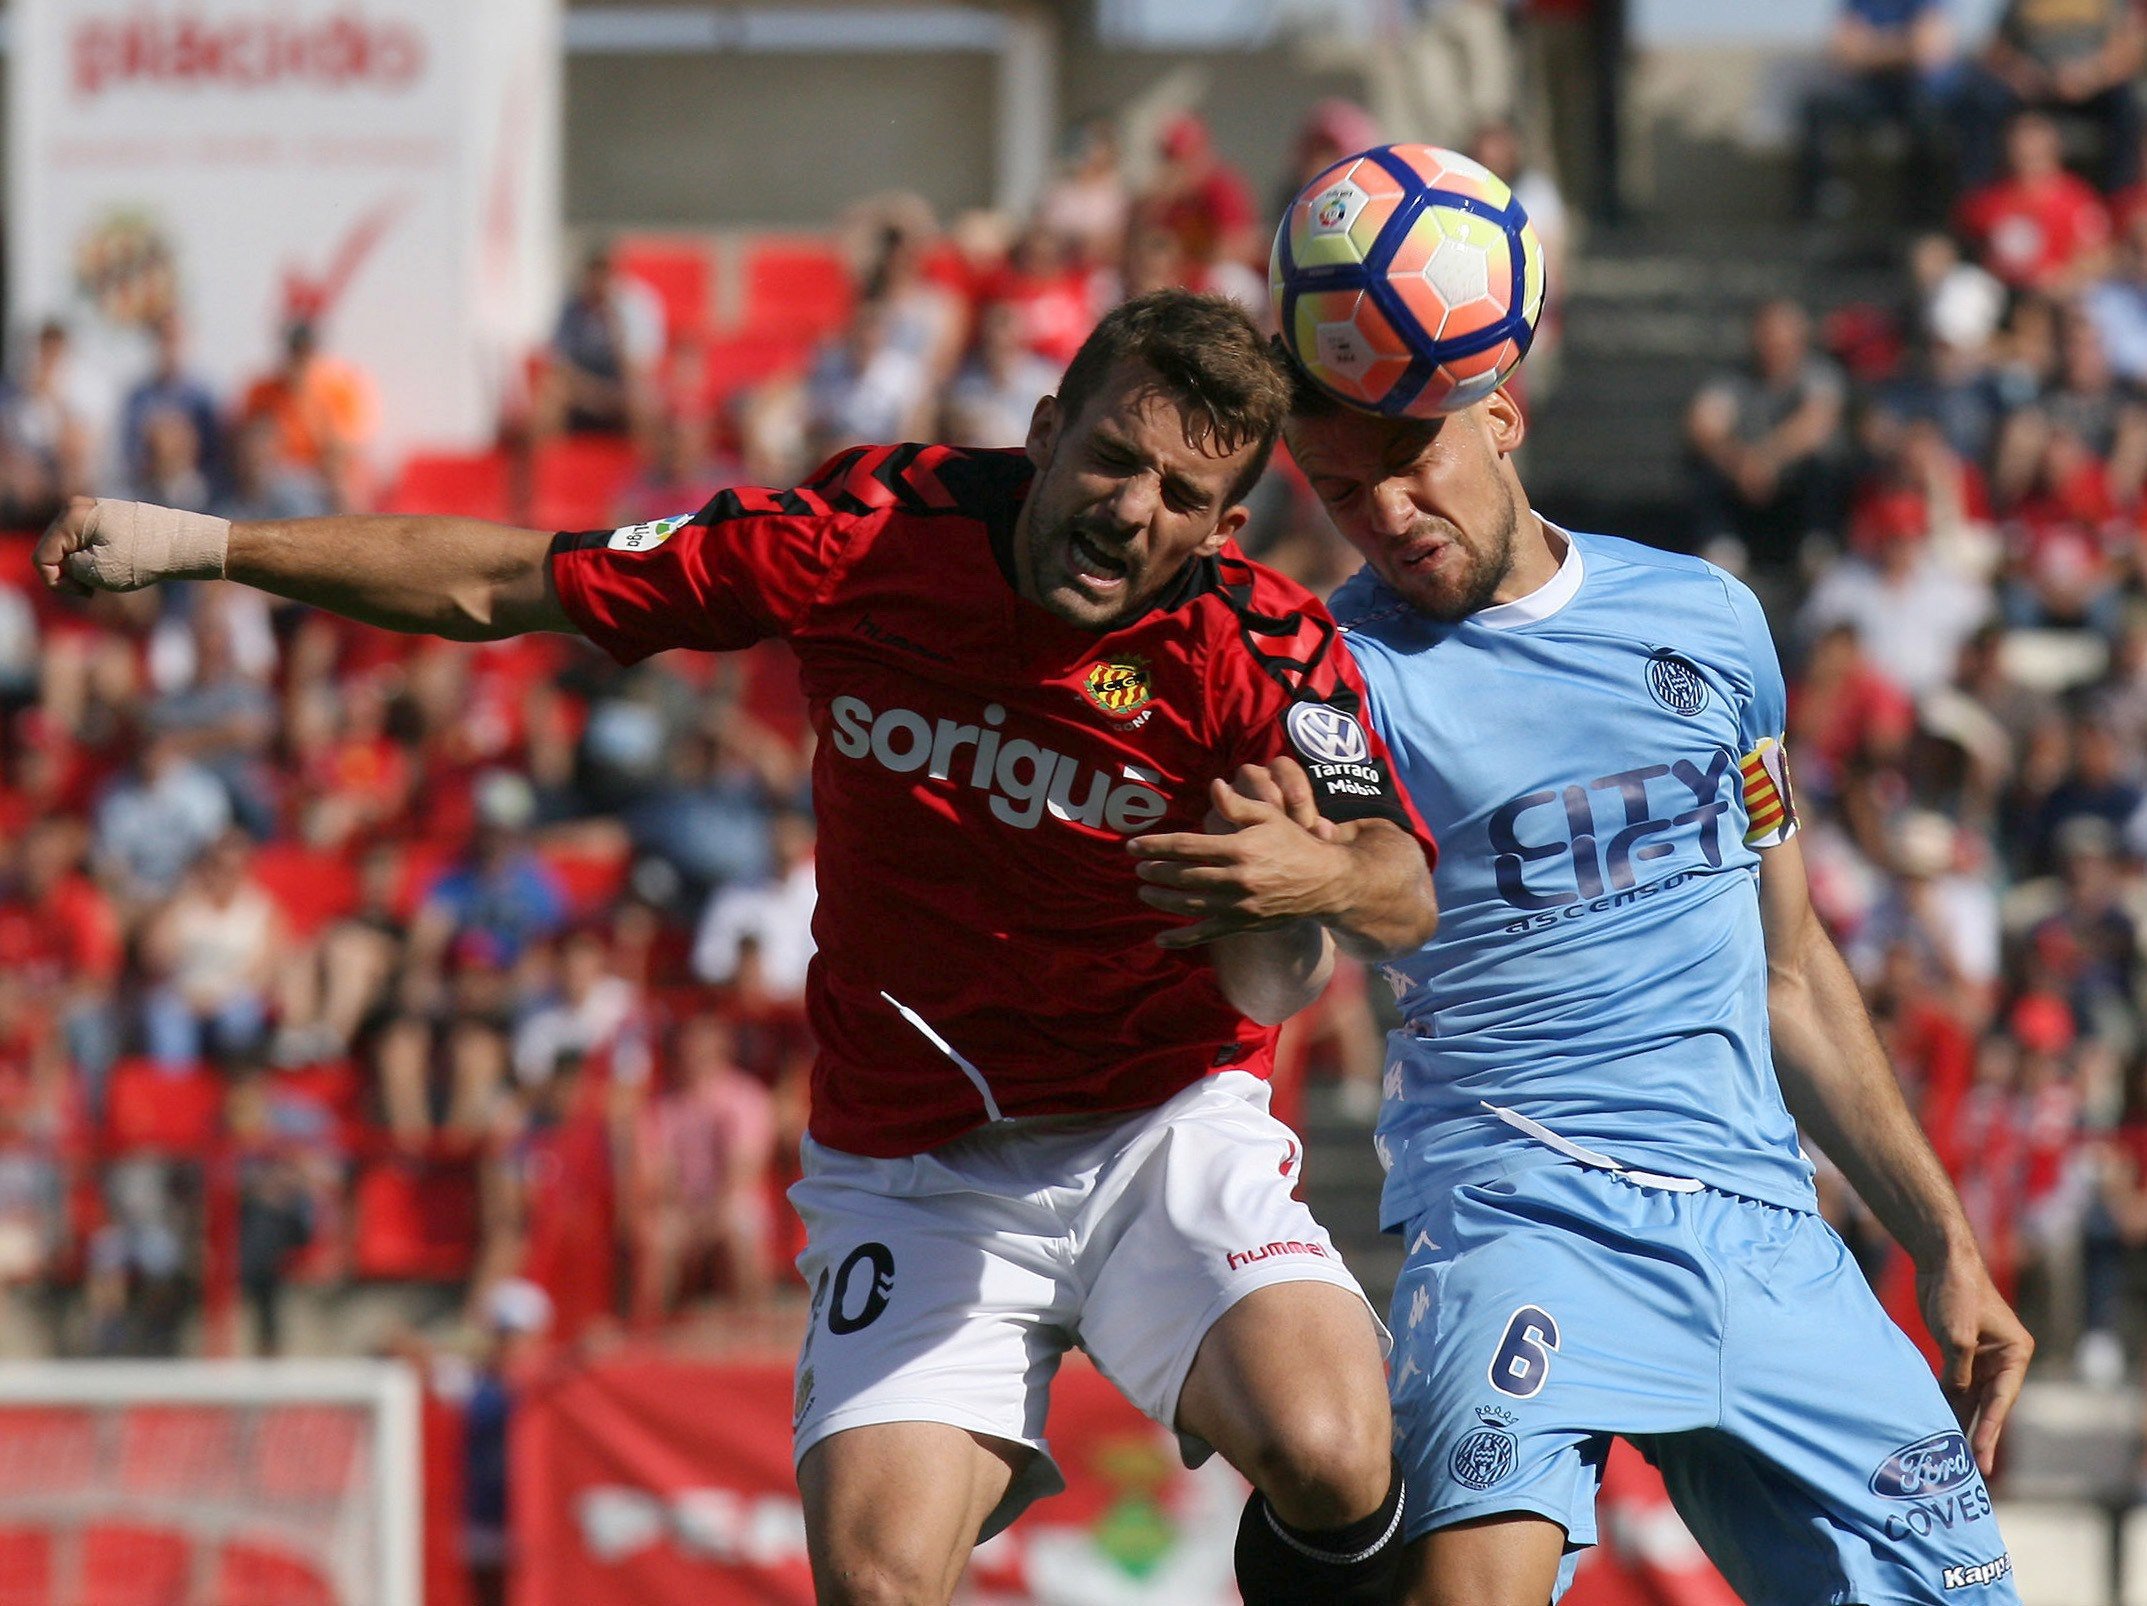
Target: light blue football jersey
[1601,763]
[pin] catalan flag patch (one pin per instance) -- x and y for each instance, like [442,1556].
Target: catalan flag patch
[1769,805]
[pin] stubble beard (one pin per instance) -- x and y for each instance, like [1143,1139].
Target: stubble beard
[1486,572]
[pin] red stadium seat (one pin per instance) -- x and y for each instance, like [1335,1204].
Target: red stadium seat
[46,1450]
[186,1450]
[797,287]
[578,481]
[681,271]
[311,887]
[592,877]
[265,1575]
[305,1452]
[415,1222]
[466,485]
[126,1565]
[149,1107]
[737,362]
[26,1568]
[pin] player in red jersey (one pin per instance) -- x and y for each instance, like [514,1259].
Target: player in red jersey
[1053,946]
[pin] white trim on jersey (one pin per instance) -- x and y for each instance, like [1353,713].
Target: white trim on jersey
[1560,589]
[1588,1157]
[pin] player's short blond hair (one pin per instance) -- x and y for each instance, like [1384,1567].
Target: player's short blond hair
[1208,357]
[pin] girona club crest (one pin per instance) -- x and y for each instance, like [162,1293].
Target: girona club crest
[1118,686]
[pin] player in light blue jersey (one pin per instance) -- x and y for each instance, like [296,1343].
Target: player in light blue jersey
[1588,1114]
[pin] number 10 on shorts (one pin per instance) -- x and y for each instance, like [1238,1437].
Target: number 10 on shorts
[1523,1359]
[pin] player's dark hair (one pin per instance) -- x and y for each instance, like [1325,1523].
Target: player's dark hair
[1208,357]
[1307,400]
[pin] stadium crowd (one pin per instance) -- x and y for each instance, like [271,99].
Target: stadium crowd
[327,955]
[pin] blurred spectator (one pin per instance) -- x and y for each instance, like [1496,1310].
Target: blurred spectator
[153,822]
[2075,58]
[2064,540]
[260,485]
[604,352]
[61,944]
[2116,305]
[324,414]
[139,1283]
[1912,608]
[867,386]
[2036,226]
[589,1013]
[707,818]
[1889,63]
[678,475]
[1199,199]
[501,898]
[2100,784]
[276,1210]
[1765,439]
[212,954]
[49,421]
[1086,204]
[1332,129]
[703,1152]
[993,397]
[1050,295]
[168,388]
[1453,68]
[776,914]
[2085,400]
[172,470]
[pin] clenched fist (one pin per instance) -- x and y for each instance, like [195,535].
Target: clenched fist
[98,545]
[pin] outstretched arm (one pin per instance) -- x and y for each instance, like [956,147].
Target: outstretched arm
[1838,1083]
[1272,887]
[460,578]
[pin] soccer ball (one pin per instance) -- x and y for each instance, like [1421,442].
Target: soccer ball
[1407,281]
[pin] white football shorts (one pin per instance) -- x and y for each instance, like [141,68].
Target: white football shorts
[947,1285]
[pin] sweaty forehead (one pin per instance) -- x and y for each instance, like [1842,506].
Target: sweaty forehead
[1351,443]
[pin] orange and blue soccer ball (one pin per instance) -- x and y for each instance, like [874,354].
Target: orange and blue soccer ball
[1407,281]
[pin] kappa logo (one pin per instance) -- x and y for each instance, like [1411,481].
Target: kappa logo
[647,537]
[1326,735]
[1676,683]
[1119,686]
[1977,1573]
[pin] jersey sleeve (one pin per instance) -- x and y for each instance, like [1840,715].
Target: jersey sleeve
[747,566]
[1294,688]
[1770,805]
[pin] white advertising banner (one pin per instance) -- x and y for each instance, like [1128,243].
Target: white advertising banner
[386,168]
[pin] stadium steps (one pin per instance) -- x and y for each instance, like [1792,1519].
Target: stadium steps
[1651,310]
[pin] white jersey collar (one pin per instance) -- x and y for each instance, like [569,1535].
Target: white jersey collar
[1546,599]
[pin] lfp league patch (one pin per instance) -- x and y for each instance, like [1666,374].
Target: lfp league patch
[647,537]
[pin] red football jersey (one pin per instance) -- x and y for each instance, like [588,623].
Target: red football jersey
[982,950]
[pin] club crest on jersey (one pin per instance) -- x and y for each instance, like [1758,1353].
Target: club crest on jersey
[1120,687]
[647,537]
[1676,684]
[1326,735]
[1489,1454]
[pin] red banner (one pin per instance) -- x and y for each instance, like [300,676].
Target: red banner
[643,1480]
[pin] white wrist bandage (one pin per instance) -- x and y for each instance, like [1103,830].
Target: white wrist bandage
[128,545]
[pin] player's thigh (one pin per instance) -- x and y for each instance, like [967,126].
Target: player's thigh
[1833,1414]
[892,1510]
[1517,1559]
[1289,1386]
[1535,1317]
[924,1311]
[1204,1220]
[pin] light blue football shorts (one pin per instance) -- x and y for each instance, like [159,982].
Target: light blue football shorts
[1736,1344]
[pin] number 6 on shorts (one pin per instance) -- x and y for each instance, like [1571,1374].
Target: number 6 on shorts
[1523,1360]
